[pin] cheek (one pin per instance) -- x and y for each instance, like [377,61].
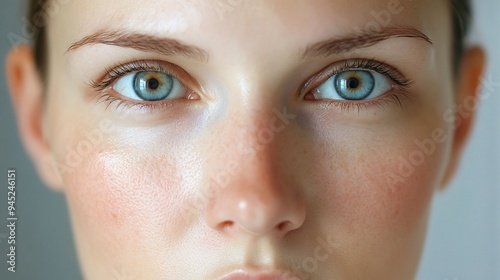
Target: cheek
[124,196]
[371,184]
[381,190]
[374,186]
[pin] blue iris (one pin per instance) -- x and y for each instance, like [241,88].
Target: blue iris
[354,84]
[153,86]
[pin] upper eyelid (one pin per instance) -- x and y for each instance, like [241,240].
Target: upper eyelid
[334,68]
[111,74]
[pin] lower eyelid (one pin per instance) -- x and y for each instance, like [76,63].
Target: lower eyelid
[111,101]
[397,97]
[392,98]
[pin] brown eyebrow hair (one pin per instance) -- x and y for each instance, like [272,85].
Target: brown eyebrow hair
[172,47]
[142,42]
[361,40]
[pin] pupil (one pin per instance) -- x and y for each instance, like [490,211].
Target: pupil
[153,83]
[353,83]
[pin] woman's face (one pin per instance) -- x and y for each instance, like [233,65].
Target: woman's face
[303,140]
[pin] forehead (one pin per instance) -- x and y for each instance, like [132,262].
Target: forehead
[245,22]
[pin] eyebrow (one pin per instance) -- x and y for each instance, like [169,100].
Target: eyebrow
[361,39]
[142,42]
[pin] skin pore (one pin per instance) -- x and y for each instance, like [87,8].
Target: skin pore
[254,166]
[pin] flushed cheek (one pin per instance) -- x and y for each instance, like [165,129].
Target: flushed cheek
[370,185]
[360,193]
[377,164]
[390,182]
[123,200]
[375,216]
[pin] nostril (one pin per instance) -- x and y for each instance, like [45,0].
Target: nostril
[256,210]
[284,226]
[226,225]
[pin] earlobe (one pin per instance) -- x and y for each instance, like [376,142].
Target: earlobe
[467,89]
[26,90]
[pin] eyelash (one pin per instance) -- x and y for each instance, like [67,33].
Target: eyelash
[400,81]
[120,70]
[112,74]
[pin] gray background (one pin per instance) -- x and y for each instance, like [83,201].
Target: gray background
[464,234]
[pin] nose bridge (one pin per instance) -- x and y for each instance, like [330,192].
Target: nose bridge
[249,126]
[251,198]
[246,148]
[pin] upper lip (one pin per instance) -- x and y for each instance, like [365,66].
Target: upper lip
[250,275]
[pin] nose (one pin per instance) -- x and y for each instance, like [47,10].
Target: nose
[255,200]
[255,203]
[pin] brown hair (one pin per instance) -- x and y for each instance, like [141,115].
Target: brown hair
[461,16]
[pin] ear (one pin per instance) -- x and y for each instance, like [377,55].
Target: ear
[467,87]
[26,91]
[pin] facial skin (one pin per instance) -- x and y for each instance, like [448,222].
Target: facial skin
[252,172]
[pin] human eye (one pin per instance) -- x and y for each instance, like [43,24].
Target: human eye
[149,86]
[353,85]
[357,82]
[145,83]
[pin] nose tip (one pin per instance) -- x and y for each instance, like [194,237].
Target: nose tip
[257,217]
[257,212]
